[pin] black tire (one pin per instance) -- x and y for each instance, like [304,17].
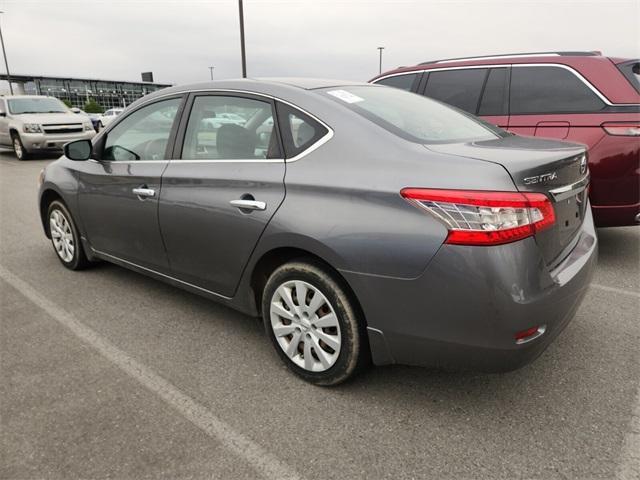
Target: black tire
[18,147]
[78,260]
[353,354]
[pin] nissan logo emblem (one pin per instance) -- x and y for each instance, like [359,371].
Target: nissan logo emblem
[583,165]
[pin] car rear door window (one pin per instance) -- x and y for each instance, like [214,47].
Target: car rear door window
[299,130]
[548,89]
[494,96]
[460,88]
[143,134]
[405,82]
[229,128]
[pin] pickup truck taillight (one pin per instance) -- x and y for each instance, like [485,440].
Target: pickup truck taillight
[478,217]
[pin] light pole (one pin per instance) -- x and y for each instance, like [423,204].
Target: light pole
[380,67]
[6,64]
[244,58]
[211,71]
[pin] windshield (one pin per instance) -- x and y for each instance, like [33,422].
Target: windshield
[413,117]
[36,105]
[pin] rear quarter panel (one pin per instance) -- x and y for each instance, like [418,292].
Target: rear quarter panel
[343,201]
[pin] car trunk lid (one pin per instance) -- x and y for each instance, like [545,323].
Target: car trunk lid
[557,169]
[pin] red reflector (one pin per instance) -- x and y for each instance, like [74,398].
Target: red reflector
[477,217]
[526,333]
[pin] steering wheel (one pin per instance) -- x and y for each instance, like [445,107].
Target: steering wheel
[154,149]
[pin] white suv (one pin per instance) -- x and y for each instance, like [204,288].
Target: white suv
[37,124]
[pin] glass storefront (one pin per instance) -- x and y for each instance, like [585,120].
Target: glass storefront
[78,91]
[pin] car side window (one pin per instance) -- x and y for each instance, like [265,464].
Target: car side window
[494,98]
[299,130]
[460,88]
[550,90]
[224,127]
[144,134]
[405,82]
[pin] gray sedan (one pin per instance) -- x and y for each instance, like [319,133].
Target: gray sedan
[361,222]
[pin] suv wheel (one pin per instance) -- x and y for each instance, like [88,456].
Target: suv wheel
[18,147]
[313,324]
[65,238]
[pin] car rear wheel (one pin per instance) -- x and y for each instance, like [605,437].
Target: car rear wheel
[18,147]
[65,238]
[313,324]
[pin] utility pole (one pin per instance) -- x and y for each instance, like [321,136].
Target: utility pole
[6,64]
[380,67]
[211,71]
[244,58]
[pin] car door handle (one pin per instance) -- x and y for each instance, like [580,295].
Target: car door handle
[249,204]
[144,192]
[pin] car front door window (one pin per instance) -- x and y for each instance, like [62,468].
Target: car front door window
[144,134]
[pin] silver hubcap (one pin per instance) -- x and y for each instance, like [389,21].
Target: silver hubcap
[305,326]
[17,147]
[61,235]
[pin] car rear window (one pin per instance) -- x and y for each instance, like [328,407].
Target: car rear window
[410,116]
[631,71]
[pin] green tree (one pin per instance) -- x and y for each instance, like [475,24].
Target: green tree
[66,102]
[93,107]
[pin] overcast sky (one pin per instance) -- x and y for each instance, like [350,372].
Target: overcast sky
[178,40]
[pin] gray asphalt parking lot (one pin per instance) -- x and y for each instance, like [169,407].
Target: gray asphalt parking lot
[106,373]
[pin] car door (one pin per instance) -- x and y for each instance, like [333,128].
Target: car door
[494,102]
[5,138]
[222,189]
[480,91]
[118,190]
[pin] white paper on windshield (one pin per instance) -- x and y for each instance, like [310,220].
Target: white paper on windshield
[345,96]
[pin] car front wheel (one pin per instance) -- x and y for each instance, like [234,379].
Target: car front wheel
[313,324]
[65,238]
[18,147]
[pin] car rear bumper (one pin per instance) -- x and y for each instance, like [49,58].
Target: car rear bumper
[463,312]
[40,142]
[616,215]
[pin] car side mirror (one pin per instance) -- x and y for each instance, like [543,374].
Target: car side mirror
[79,150]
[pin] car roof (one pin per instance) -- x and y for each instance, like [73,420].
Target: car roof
[592,65]
[284,87]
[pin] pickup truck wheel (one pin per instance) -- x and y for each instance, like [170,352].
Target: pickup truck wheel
[18,147]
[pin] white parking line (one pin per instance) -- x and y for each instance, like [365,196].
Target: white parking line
[629,468]
[265,464]
[621,291]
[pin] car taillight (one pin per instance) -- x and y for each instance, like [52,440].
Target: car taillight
[630,129]
[477,217]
